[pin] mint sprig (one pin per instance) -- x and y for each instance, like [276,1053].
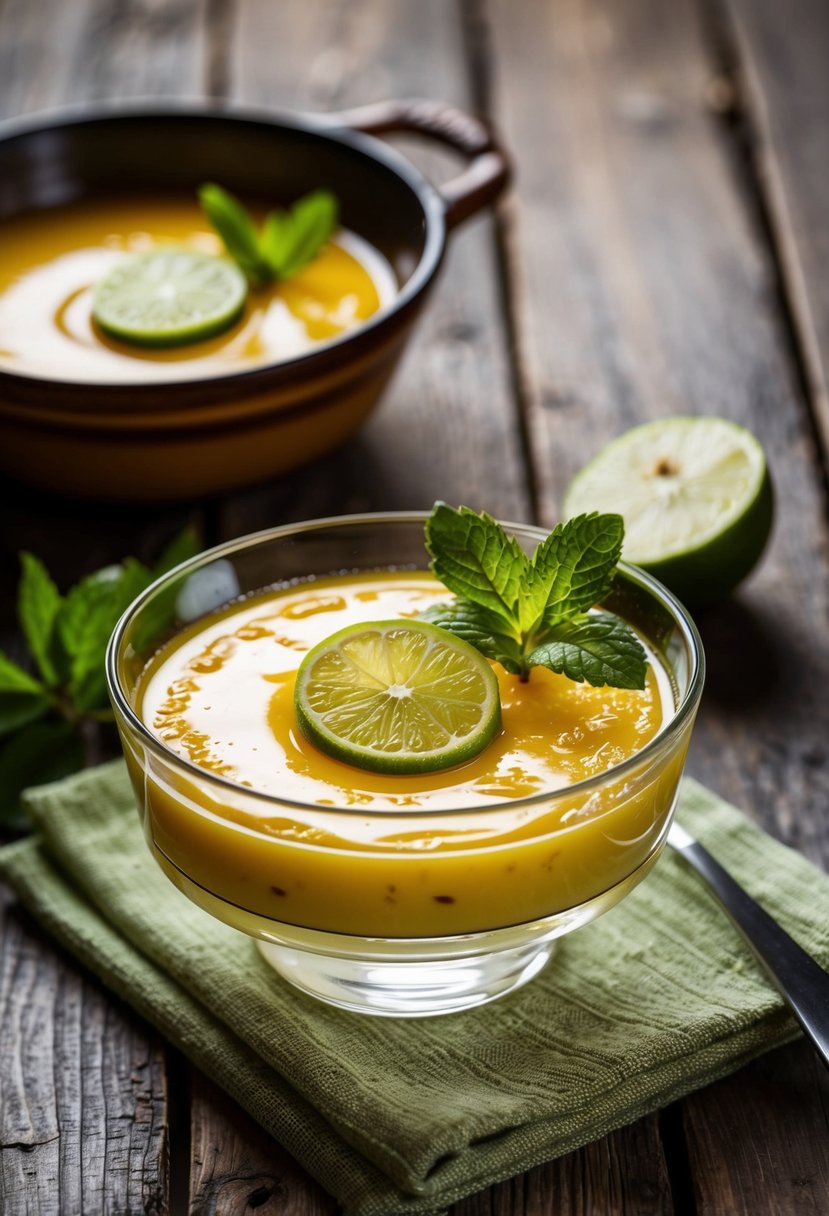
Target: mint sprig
[535,612]
[287,241]
[49,705]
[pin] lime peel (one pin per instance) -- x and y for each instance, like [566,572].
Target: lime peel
[696,497]
[399,696]
[169,297]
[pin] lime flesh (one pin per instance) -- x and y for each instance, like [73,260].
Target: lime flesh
[696,498]
[397,697]
[169,297]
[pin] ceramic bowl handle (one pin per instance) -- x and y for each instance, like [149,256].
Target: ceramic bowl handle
[481,181]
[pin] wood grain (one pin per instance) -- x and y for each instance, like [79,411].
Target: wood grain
[55,54]
[51,54]
[622,1175]
[765,1163]
[639,283]
[645,290]
[236,1167]
[447,427]
[83,1088]
[642,288]
[83,1111]
[782,57]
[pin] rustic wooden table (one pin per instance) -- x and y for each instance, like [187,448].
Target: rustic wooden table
[666,250]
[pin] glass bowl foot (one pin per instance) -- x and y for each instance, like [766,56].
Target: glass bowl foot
[408,989]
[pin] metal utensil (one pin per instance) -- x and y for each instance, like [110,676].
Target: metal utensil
[801,982]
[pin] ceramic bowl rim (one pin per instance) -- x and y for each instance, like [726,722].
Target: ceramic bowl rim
[317,126]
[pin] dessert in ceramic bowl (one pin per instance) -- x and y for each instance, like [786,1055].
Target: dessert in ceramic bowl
[388,889]
[300,363]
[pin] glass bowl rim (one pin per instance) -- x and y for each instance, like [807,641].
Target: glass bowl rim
[641,578]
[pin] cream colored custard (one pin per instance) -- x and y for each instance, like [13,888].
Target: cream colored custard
[51,261]
[336,848]
[221,696]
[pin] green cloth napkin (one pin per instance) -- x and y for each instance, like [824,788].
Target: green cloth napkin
[654,999]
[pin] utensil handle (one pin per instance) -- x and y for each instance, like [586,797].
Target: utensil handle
[802,982]
[481,181]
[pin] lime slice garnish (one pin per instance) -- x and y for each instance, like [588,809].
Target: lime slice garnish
[696,498]
[168,297]
[397,697]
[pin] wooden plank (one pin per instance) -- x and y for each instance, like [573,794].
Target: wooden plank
[236,1167]
[83,1117]
[782,57]
[52,53]
[641,287]
[767,1162]
[447,428]
[643,291]
[84,1111]
[622,1175]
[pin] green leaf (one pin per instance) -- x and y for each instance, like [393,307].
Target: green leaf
[91,612]
[481,628]
[15,679]
[474,558]
[599,648]
[276,239]
[237,229]
[180,549]
[23,699]
[42,752]
[38,604]
[82,602]
[572,569]
[134,578]
[87,684]
[291,239]
[20,708]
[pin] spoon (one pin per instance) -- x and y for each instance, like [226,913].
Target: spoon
[801,982]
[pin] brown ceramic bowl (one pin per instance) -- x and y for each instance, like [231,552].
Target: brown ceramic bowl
[183,438]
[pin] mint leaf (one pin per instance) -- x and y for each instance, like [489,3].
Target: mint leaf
[481,628]
[93,610]
[473,556]
[38,604]
[237,229]
[20,708]
[180,548]
[527,613]
[599,648]
[83,602]
[572,569]
[291,239]
[44,751]
[23,699]
[15,679]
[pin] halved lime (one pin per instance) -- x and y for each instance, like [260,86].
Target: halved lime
[696,498]
[169,297]
[397,697]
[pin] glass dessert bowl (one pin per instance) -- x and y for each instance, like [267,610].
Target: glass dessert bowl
[386,894]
